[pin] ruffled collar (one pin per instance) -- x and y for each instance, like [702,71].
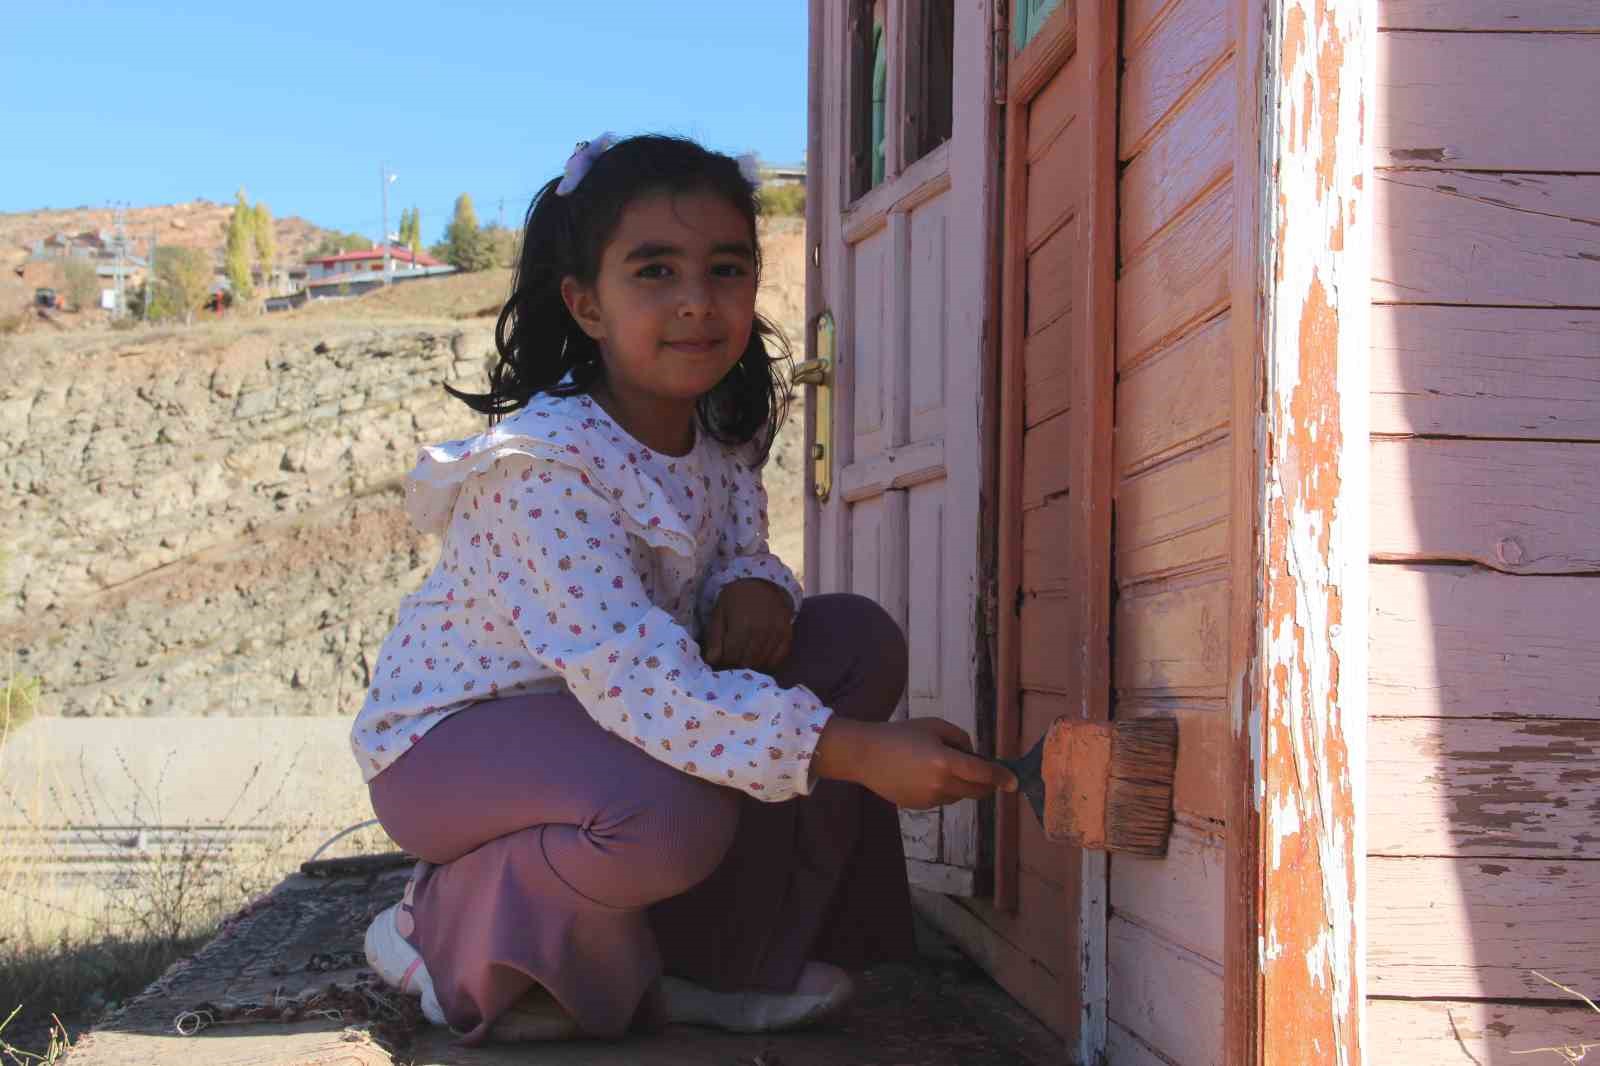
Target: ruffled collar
[576,432]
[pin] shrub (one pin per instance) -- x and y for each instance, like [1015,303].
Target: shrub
[782,200]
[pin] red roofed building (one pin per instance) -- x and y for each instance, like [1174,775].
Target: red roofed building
[401,261]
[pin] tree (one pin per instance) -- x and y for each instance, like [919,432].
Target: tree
[415,243]
[334,242]
[265,242]
[236,257]
[81,283]
[465,248]
[502,244]
[182,282]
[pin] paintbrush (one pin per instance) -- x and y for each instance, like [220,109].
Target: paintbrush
[1103,785]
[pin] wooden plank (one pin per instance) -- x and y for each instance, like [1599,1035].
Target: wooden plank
[1520,507]
[1051,269]
[1175,400]
[1200,783]
[1051,182]
[1438,111]
[1047,459]
[1180,278]
[1489,15]
[1171,640]
[1486,372]
[1173,519]
[1047,364]
[1478,787]
[1189,40]
[1187,156]
[1457,642]
[1048,626]
[1425,1031]
[1046,533]
[1481,927]
[1170,998]
[1178,897]
[1454,237]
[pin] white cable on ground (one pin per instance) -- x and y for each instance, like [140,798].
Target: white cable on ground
[339,836]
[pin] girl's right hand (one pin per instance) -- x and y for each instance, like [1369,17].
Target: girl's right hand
[917,763]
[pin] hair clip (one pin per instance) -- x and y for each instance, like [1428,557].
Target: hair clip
[581,160]
[750,167]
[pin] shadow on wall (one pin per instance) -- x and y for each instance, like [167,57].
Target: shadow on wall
[1483,777]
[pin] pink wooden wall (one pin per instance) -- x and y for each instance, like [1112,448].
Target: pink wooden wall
[1172,477]
[1485,532]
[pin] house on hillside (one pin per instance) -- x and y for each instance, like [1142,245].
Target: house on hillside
[1237,363]
[348,265]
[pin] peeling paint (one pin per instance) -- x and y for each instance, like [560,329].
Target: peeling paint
[1311,535]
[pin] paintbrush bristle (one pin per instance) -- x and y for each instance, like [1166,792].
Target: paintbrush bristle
[1144,761]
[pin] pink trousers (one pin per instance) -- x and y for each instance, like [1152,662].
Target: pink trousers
[554,852]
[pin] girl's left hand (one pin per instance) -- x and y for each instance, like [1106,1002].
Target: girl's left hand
[751,627]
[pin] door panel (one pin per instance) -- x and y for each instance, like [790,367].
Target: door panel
[902,266]
[1058,269]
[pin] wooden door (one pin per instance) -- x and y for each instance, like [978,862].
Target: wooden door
[899,184]
[1057,264]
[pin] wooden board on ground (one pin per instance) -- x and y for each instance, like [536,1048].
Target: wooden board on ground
[305,938]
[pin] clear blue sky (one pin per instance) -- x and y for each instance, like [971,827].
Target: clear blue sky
[152,103]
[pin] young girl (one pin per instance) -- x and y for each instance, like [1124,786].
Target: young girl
[648,781]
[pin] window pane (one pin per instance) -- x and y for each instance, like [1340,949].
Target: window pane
[1028,18]
[930,76]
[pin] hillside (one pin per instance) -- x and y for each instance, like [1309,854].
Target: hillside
[197,224]
[208,521]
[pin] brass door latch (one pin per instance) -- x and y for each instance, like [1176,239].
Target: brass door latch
[818,372]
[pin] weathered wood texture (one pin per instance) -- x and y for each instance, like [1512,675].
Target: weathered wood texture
[1182,159]
[1520,507]
[1173,463]
[1488,15]
[1488,1034]
[1437,111]
[1484,935]
[1057,278]
[1479,787]
[1178,898]
[1169,997]
[1180,278]
[1301,262]
[1189,39]
[1486,372]
[1456,237]
[1461,642]
[1172,640]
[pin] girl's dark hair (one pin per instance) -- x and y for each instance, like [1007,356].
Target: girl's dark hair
[539,341]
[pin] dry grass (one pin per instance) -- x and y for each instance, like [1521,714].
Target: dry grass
[80,936]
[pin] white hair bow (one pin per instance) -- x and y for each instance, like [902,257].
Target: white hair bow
[582,159]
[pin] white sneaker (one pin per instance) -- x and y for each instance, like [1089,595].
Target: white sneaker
[823,989]
[397,962]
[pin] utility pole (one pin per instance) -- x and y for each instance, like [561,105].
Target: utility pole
[500,219]
[384,178]
[121,240]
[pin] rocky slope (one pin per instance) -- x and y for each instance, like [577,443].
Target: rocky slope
[208,521]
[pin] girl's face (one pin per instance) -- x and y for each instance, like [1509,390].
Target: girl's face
[674,300]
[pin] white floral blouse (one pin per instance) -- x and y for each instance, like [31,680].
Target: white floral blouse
[573,556]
